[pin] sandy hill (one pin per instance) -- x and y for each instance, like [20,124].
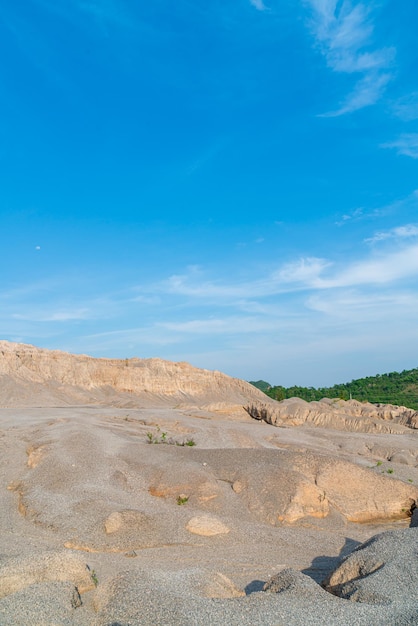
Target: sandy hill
[31,376]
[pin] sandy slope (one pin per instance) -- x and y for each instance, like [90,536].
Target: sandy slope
[99,526]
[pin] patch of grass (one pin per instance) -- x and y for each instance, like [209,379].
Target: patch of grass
[390,470]
[182,500]
[189,442]
[161,437]
[410,480]
[379,463]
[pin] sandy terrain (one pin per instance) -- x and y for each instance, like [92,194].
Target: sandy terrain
[108,517]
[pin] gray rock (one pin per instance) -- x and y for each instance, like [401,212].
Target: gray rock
[381,571]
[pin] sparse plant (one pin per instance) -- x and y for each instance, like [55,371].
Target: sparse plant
[379,463]
[93,576]
[390,470]
[410,480]
[162,437]
[182,500]
[189,442]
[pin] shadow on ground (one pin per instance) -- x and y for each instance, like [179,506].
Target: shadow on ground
[321,566]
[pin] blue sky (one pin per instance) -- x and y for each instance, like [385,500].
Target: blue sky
[230,183]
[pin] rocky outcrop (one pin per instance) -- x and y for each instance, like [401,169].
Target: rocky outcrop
[21,572]
[33,376]
[382,570]
[285,487]
[338,414]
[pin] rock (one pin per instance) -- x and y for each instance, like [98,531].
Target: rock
[363,496]
[21,572]
[348,415]
[220,586]
[207,526]
[297,583]
[307,501]
[280,486]
[381,570]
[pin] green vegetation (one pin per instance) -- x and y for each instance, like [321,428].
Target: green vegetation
[261,384]
[182,500]
[93,576]
[394,388]
[189,442]
[161,437]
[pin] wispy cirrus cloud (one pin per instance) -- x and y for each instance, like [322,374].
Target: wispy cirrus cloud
[399,232]
[54,316]
[363,307]
[406,205]
[406,144]
[307,274]
[290,277]
[344,34]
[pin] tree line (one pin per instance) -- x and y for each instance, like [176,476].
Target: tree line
[400,388]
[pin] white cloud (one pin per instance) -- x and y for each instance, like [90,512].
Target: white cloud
[400,232]
[305,274]
[305,270]
[290,277]
[367,92]
[357,306]
[258,4]
[407,145]
[344,35]
[384,269]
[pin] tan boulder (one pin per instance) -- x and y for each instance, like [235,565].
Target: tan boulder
[207,526]
[20,572]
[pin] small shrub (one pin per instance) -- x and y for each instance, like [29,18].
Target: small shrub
[158,438]
[389,470]
[379,463]
[182,500]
